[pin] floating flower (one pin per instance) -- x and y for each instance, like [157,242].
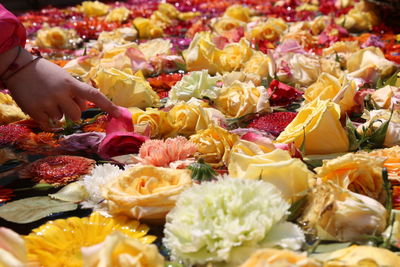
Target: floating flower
[208,225]
[163,153]
[61,240]
[96,182]
[334,213]
[82,141]
[120,138]
[359,173]
[277,257]
[94,8]
[270,30]
[281,94]
[196,84]
[385,97]
[359,18]
[12,248]
[240,99]
[362,255]
[289,175]
[329,87]
[10,133]
[57,170]
[55,37]
[238,12]
[214,145]
[41,143]
[146,192]
[147,29]
[9,110]
[375,119]
[273,123]
[125,89]
[259,64]
[318,123]
[118,14]
[370,56]
[392,161]
[120,250]
[189,117]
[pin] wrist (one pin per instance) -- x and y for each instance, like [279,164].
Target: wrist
[7,58]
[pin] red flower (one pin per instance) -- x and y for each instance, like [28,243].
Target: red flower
[9,134]
[273,123]
[282,94]
[5,194]
[57,170]
[120,138]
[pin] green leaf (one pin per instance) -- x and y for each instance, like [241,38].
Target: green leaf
[73,192]
[387,186]
[32,209]
[201,171]
[296,208]
[303,144]
[380,83]
[392,79]
[352,135]
[181,66]
[325,248]
[377,138]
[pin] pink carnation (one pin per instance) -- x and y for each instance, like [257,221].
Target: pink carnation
[161,153]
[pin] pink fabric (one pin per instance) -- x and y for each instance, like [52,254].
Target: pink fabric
[12,32]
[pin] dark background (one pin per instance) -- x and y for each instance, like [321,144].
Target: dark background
[17,6]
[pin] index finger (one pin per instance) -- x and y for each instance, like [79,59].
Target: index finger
[92,94]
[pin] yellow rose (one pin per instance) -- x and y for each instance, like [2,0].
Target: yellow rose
[224,24]
[55,37]
[119,14]
[119,250]
[234,55]
[158,121]
[188,118]
[270,30]
[332,67]
[9,110]
[119,36]
[358,19]
[291,176]
[240,99]
[158,18]
[125,89]
[270,257]
[359,173]
[362,256]
[147,29]
[94,8]
[328,87]
[214,145]
[341,50]
[383,96]
[334,213]
[202,54]
[169,10]
[155,47]
[370,56]
[238,12]
[230,77]
[260,64]
[319,122]
[147,192]
[303,37]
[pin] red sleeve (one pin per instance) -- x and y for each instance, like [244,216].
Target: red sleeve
[12,32]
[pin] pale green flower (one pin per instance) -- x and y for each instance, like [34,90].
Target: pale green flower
[196,84]
[225,221]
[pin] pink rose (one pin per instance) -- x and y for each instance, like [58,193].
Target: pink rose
[120,138]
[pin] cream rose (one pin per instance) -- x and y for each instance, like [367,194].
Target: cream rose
[214,145]
[146,192]
[240,99]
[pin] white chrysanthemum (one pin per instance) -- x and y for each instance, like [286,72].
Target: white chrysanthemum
[98,179]
[226,220]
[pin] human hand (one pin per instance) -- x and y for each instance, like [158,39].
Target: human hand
[46,92]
